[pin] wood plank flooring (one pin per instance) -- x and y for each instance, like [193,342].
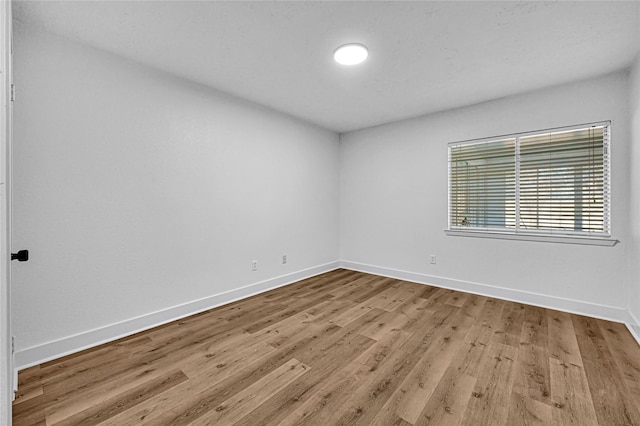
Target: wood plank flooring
[347,348]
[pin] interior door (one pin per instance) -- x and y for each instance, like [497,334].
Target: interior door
[6,351]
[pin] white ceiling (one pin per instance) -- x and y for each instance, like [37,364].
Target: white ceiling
[423,56]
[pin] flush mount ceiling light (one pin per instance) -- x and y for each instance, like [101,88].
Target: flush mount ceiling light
[351,54]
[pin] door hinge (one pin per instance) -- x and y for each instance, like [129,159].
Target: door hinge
[13,345]
[13,93]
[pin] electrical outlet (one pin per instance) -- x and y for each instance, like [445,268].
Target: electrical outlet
[284,259]
[254,265]
[433,259]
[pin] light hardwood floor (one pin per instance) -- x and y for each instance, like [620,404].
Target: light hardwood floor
[349,348]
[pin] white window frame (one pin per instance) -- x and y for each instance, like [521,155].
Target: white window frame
[518,233]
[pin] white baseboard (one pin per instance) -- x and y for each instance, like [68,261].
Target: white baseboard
[58,348]
[633,324]
[610,313]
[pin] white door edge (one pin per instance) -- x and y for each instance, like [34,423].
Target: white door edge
[6,355]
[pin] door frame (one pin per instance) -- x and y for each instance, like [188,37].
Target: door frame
[6,347]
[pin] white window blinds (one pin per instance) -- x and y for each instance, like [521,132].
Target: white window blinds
[546,182]
[483,184]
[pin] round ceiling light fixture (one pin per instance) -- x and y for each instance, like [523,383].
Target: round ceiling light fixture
[351,54]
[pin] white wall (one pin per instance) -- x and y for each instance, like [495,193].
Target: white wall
[136,191]
[394,202]
[634,249]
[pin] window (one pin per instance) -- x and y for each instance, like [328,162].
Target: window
[545,183]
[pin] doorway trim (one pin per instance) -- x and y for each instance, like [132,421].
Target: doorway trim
[6,346]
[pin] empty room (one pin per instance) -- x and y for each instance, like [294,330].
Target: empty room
[320,213]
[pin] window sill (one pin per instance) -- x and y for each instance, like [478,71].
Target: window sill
[591,241]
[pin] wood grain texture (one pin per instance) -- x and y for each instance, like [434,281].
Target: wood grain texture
[348,348]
